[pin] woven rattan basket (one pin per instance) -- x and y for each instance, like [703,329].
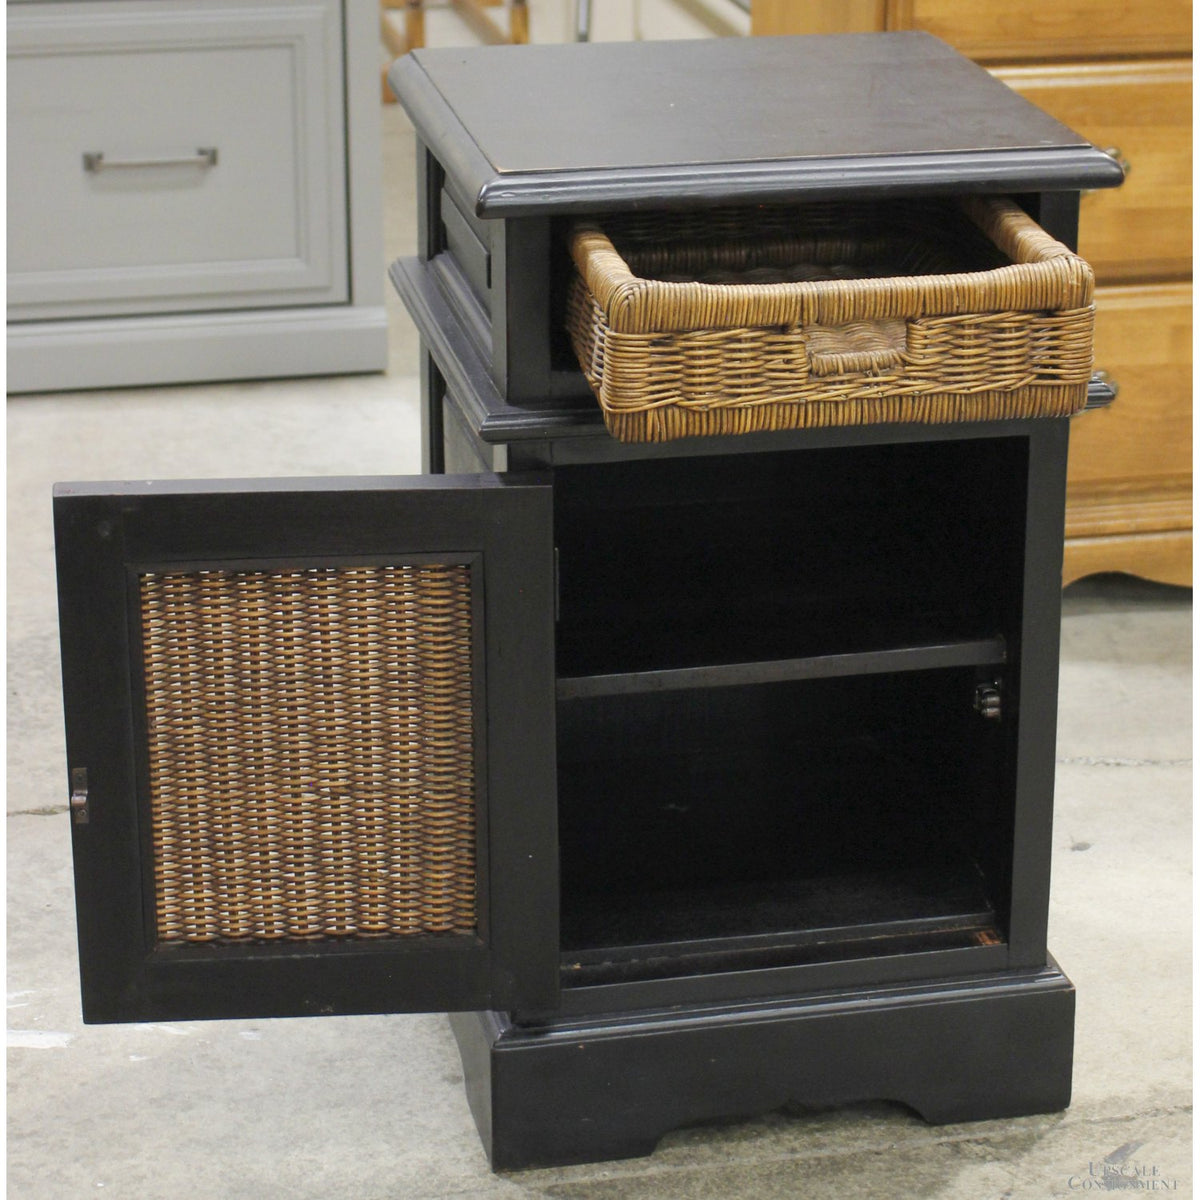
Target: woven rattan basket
[732,321]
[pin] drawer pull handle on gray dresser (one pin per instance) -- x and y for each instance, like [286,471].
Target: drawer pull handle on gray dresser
[205,156]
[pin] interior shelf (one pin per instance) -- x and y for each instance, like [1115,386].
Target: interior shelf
[964,652]
[645,934]
[817,819]
[754,568]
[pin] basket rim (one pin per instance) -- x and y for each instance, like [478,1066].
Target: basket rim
[1044,275]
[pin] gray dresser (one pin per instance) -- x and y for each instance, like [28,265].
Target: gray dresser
[193,191]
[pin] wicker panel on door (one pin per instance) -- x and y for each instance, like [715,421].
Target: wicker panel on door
[310,752]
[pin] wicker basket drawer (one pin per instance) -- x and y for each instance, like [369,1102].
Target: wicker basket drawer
[828,314]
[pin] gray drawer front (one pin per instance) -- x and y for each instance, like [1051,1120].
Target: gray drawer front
[221,176]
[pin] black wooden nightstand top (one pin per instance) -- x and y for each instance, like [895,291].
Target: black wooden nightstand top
[540,129]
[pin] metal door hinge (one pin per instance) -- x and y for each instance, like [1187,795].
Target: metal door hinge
[80,812]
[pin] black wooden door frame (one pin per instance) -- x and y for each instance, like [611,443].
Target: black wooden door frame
[106,532]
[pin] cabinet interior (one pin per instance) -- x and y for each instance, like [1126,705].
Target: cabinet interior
[769,745]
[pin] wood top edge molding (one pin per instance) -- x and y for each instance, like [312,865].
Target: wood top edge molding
[1031,169]
[610,149]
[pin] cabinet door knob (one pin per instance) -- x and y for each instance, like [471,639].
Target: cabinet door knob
[94,161]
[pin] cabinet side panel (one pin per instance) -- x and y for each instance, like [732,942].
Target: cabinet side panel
[1036,656]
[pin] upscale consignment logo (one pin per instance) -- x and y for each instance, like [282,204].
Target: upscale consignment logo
[1119,1172]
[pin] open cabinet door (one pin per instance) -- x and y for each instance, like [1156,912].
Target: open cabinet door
[310,740]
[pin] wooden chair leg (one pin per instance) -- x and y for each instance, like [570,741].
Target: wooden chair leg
[486,28]
[519,22]
[398,43]
[414,23]
[471,11]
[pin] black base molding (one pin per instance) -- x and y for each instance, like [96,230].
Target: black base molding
[587,1089]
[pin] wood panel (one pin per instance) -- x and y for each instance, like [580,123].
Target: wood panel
[1143,229]
[818,16]
[1033,29]
[999,32]
[1165,557]
[1129,491]
[1143,341]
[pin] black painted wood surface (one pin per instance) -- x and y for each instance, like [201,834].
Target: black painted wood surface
[902,941]
[730,119]
[106,533]
[684,124]
[797,867]
[578,1089]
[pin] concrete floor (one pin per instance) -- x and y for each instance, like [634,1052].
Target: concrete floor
[373,1107]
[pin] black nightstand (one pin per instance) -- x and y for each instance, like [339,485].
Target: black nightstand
[742,794]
